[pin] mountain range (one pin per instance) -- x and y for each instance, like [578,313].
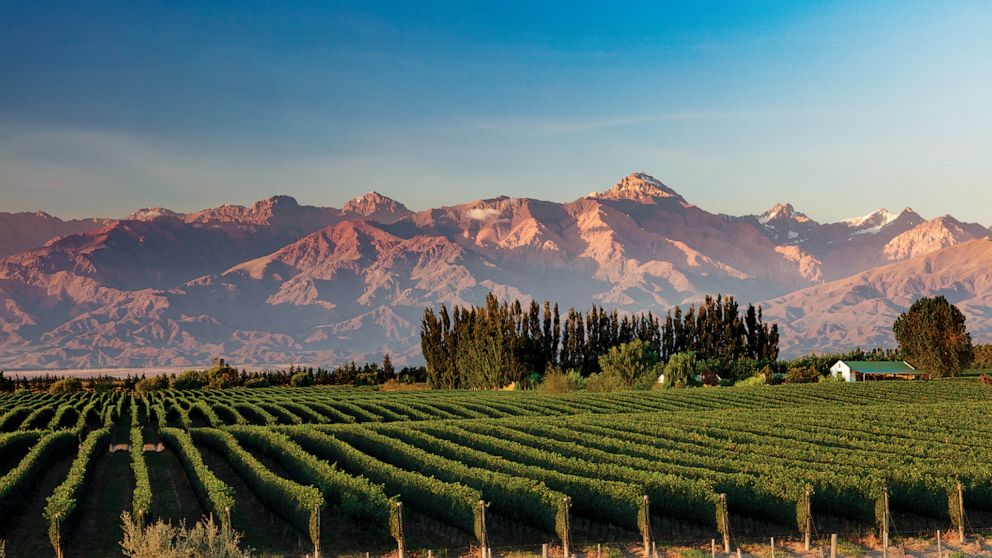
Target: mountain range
[280,282]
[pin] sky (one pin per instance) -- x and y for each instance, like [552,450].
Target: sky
[837,107]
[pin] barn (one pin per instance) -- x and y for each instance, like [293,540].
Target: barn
[865,371]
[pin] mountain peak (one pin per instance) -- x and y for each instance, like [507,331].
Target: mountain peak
[640,187]
[152,213]
[781,211]
[376,207]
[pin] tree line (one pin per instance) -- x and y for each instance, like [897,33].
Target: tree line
[500,342]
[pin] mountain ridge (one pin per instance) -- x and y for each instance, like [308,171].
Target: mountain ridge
[278,281]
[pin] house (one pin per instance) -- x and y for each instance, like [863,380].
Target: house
[864,371]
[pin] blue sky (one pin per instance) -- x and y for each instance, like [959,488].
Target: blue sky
[839,108]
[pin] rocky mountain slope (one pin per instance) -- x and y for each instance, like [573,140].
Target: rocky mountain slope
[281,282]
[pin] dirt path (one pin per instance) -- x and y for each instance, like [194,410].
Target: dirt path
[262,530]
[108,494]
[27,532]
[173,498]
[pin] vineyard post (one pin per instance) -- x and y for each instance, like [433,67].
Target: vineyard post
[566,539]
[960,513]
[654,550]
[713,548]
[544,550]
[833,545]
[885,524]
[599,550]
[725,523]
[773,547]
[646,535]
[316,542]
[484,540]
[940,551]
[809,517]
[58,535]
[400,543]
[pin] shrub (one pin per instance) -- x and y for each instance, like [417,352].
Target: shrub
[756,380]
[630,365]
[257,382]
[802,375]
[190,379]
[679,370]
[301,379]
[555,381]
[154,383]
[206,539]
[66,385]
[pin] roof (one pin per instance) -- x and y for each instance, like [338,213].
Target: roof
[880,367]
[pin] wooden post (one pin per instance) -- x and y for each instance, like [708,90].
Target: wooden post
[726,524]
[809,517]
[833,545]
[544,550]
[599,550]
[713,548]
[646,535]
[738,553]
[316,543]
[654,550]
[773,547]
[430,554]
[940,550]
[400,541]
[885,524]
[961,512]
[484,540]
[566,540]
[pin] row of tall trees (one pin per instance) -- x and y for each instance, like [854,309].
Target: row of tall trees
[501,342]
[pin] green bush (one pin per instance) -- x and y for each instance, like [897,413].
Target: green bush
[142,499]
[66,385]
[679,370]
[757,380]
[61,505]
[301,379]
[190,379]
[803,375]
[630,365]
[154,383]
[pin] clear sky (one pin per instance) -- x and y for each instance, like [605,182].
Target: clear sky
[839,108]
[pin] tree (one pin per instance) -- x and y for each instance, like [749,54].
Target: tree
[633,365]
[932,336]
[387,366]
[679,370]
[802,375]
[66,385]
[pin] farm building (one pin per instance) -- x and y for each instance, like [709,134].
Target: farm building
[863,371]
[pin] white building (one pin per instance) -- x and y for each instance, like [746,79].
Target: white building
[863,371]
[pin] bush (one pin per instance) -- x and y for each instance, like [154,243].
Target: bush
[257,382]
[190,379]
[603,382]
[160,539]
[630,365]
[679,370]
[66,385]
[555,381]
[803,375]
[154,383]
[756,380]
[301,379]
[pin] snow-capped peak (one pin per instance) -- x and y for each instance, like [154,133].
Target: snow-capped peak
[873,222]
[151,213]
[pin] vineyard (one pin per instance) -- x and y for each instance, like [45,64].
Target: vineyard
[350,471]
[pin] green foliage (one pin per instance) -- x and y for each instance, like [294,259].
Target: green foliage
[66,385]
[190,379]
[16,484]
[982,356]
[679,370]
[301,379]
[803,375]
[631,365]
[153,383]
[298,504]
[556,381]
[358,498]
[141,501]
[756,380]
[215,496]
[205,539]
[933,337]
[61,505]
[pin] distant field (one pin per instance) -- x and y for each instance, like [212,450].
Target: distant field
[679,465]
